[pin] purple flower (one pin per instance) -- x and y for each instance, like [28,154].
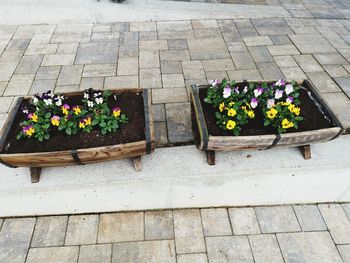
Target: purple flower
[227,92]
[270,103]
[236,90]
[290,99]
[258,91]
[280,82]
[254,103]
[278,94]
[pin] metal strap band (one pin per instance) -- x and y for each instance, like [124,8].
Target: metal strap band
[7,164]
[75,156]
[275,141]
[201,123]
[147,122]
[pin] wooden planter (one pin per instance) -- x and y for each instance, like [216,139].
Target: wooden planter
[209,143]
[37,160]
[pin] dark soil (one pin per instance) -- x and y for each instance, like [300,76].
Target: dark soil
[131,105]
[313,118]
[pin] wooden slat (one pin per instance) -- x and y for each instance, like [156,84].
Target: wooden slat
[89,155]
[9,123]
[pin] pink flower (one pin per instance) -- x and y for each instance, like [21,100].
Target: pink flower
[227,92]
[278,94]
[270,103]
[289,89]
[254,103]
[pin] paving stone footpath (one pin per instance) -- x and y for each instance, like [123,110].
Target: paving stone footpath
[290,233]
[167,57]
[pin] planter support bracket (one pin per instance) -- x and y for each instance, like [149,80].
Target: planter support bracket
[35,173]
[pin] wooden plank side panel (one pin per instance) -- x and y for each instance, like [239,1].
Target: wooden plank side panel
[89,155]
[307,137]
[235,143]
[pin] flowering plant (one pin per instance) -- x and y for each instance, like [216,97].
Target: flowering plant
[49,112]
[237,104]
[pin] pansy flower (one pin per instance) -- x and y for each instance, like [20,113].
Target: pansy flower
[254,103]
[24,109]
[258,91]
[33,117]
[278,94]
[230,125]
[287,124]
[116,112]
[227,92]
[270,103]
[214,83]
[289,89]
[28,130]
[290,99]
[55,120]
[231,112]
[271,114]
[76,109]
[99,100]
[65,109]
[236,90]
[90,103]
[280,82]
[245,89]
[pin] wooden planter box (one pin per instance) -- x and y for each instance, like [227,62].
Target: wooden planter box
[38,160]
[209,143]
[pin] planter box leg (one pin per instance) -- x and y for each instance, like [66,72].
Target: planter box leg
[305,151]
[210,157]
[35,173]
[137,163]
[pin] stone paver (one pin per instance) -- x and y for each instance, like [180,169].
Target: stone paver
[82,230]
[53,254]
[95,253]
[265,248]
[308,247]
[15,237]
[97,53]
[29,64]
[344,83]
[229,249]
[100,70]
[339,103]
[159,225]
[49,231]
[312,44]
[128,66]
[322,82]
[70,75]
[277,219]
[150,78]
[178,122]
[216,222]
[309,218]
[173,80]
[192,258]
[122,82]
[244,221]
[6,70]
[337,222]
[120,227]
[19,85]
[58,59]
[48,72]
[188,231]
[148,251]
[344,251]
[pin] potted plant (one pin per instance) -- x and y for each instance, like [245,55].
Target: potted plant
[260,115]
[77,128]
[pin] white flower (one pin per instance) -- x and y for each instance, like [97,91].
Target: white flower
[245,90]
[59,102]
[258,92]
[270,103]
[35,100]
[25,111]
[289,89]
[97,94]
[48,102]
[99,100]
[278,94]
[254,103]
[227,92]
[90,103]
[86,95]
[213,82]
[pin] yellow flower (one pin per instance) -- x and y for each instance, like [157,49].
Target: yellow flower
[296,111]
[81,125]
[231,104]
[76,110]
[244,108]
[221,106]
[231,112]
[271,113]
[251,114]
[87,121]
[231,125]
[287,124]
[291,107]
[30,131]
[283,103]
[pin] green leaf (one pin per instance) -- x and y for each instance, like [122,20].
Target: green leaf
[266,122]
[40,138]
[236,132]
[46,126]
[47,115]
[299,118]
[103,124]
[19,136]
[47,136]
[207,100]
[94,122]
[104,131]
[61,127]
[69,131]
[218,115]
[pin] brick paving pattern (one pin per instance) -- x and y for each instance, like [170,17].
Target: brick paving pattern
[290,233]
[167,57]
